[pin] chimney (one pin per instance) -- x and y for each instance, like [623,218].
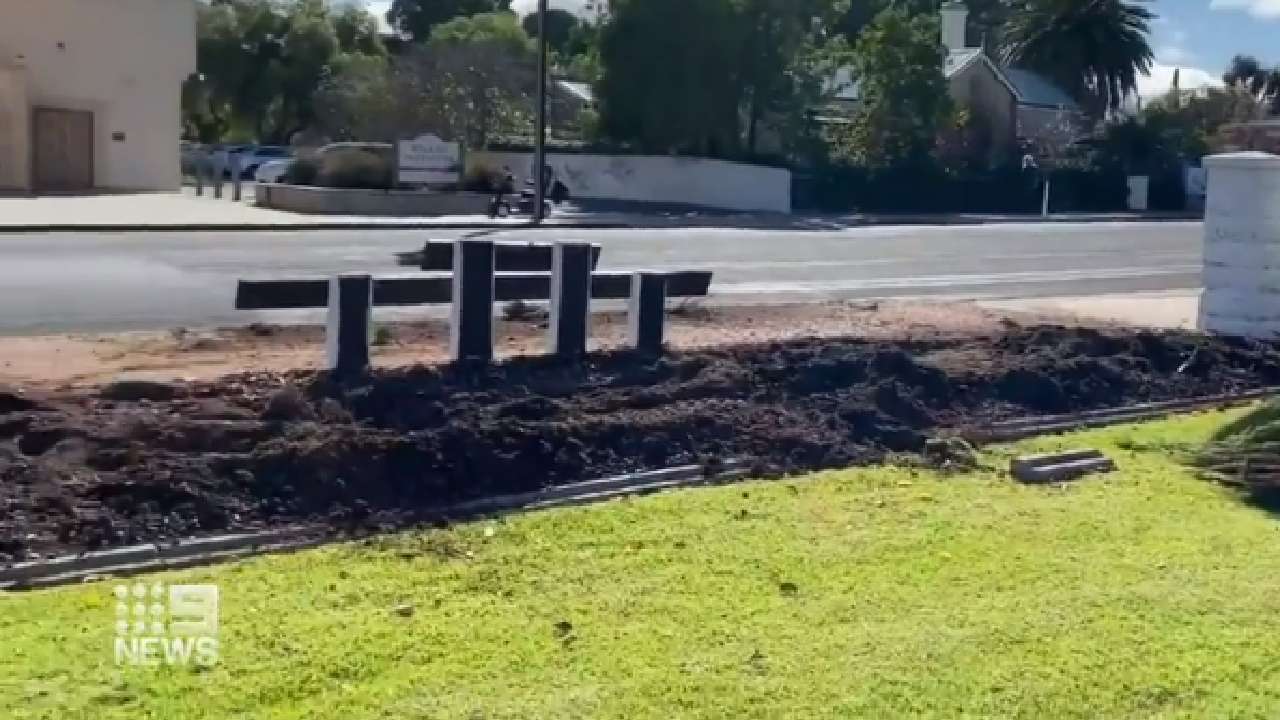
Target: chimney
[955,17]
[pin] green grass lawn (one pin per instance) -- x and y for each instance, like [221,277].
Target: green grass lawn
[876,593]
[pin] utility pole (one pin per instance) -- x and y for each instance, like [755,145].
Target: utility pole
[540,142]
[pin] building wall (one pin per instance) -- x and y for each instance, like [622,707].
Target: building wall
[660,179]
[1050,124]
[15,160]
[123,60]
[991,106]
[1261,135]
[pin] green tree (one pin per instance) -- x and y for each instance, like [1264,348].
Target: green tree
[784,51]
[482,72]
[1263,83]
[904,97]
[310,47]
[670,76]
[417,18]
[357,32]
[261,62]
[986,17]
[562,27]
[358,101]
[496,30]
[237,49]
[1095,50]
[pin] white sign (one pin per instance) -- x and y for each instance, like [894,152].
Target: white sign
[428,160]
[175,625]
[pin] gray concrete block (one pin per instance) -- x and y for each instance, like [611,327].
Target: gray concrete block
[471,318]
[1060,467]
[350,324]
[570,300]
[646,313]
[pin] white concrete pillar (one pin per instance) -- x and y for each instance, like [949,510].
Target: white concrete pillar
[1242,245]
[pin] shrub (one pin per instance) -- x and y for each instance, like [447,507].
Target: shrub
[927,186]
[356,168]
[1245,453]
[482,177]
[302,171]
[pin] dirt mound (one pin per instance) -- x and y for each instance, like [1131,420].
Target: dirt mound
[257,450]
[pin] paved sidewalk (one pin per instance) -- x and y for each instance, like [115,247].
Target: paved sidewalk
[1174,309]
[184,211]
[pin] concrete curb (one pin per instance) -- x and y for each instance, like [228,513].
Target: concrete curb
[797,225]
[193,552]
[298,227]
[1051,424]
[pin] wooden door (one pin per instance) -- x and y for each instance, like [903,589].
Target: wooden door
[63,157]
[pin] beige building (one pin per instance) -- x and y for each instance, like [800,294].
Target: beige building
[91,93]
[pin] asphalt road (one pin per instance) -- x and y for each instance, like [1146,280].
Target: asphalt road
[98,282]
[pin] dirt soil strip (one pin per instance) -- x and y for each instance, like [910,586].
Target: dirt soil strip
[88,468]
[195,551]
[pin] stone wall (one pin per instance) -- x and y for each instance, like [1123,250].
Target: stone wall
[388,203]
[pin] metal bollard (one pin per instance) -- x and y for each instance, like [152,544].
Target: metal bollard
[200,163]
[216,179]
[235,178]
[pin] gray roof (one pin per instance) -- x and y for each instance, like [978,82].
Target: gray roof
[1029,88]
[1035,89]
[580,90]
[958,60]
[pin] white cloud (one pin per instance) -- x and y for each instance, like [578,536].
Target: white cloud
[1257,8]
[1160,79]
[1173,50]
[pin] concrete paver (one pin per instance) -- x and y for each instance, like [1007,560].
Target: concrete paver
[1172,309]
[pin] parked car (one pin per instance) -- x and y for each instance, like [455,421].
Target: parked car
[383,150]
[220,156]
[190,155]
[272,171]
[253,158]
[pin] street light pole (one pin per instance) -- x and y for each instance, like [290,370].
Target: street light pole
[540,142]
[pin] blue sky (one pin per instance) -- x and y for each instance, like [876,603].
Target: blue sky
[1198,36]
[1201,36]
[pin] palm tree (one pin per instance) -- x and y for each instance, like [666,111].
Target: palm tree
[1095,49]
[1250,76]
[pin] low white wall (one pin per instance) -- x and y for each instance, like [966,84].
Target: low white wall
[659,179]
[1242,245]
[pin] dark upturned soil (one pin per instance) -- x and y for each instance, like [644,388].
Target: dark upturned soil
[139,462]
